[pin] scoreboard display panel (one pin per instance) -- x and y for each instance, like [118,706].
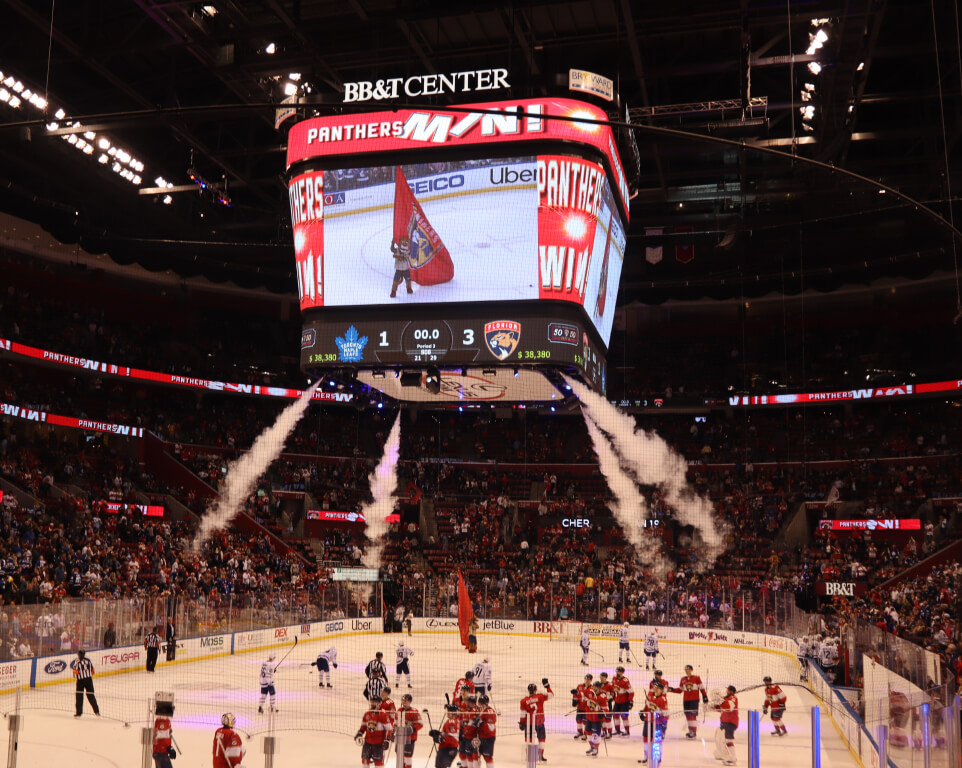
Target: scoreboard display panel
[454,236]
[517,333]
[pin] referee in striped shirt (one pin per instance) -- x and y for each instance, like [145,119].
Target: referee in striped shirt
[152,644]
[83,670]
[372,691]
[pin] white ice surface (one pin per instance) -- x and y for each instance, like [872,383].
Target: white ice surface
[314,726]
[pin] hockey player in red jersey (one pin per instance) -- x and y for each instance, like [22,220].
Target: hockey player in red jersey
[609,690]
[163,749]
[389,708]
[408,719]
[692,688]
[597,711]
[463,687]
[624,701]
[469,741]
[532,709]
[725,736]
[655,717]
[375,725]
[446,738]
[580,703]
[488,730]
[774,700]
[228,748]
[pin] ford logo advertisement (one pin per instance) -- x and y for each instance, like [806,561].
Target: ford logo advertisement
[55,667]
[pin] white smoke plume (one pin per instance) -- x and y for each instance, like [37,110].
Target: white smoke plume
[242,473]
[629,508]
[653,462]
[383,482]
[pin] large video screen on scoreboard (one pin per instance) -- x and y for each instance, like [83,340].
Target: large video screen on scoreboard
[533,227]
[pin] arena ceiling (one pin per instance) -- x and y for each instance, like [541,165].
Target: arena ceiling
[773,200]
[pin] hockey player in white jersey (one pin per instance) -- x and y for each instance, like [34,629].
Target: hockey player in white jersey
[267,683]
[403,654]
[828,656]
[482,676]
[802,653]
[623,643]
[651,648]
[585,646]
[324,662]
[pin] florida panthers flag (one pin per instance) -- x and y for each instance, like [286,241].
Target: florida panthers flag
[465,611]
[430,261]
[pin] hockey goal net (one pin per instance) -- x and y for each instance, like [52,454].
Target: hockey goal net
[565,630]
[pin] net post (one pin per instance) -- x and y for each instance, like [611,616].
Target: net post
[753,729]
[816,737]
[147,746]
[882,735]
[530,741]
[270,749]
[924,717]
[400,742]
[13,725]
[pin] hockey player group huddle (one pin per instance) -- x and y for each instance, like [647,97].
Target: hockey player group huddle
[821,649]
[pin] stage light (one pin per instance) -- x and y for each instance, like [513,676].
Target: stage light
[123,156]
[136,179]
[15,102]
[4,94]
[89,149]
[806,96]
[814,67]
[52,126]
[112,151]
[209,10]
[295,76]
[380,405]
[432,381]
[17,86]
[270,49]
[60,114]
[38,101]
[27,94]
[72,138]
[290,89]
[103,159]
[167,200]
[90,135]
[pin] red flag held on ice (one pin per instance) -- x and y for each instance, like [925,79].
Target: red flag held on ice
[430,261]
[465,611]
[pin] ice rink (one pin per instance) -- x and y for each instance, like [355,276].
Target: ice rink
[315,726]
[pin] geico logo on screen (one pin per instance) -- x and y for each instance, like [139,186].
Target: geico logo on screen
[437,185]
[119,658]
[211,642]
[334,626]
[576,522]
[361,626]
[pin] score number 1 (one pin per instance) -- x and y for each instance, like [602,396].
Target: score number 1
[431,334]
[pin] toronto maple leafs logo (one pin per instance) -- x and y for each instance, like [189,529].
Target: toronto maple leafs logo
[351,346]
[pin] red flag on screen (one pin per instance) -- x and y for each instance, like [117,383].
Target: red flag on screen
[430,261]
[685,251]
[465,611]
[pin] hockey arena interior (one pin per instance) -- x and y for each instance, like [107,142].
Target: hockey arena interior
[470,384]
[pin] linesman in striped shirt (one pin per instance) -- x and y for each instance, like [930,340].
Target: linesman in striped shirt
[152,644]
[374,688]
[83,671]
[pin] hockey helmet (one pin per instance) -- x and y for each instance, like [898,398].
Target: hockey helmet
[468,675]
[227,720]
[378,655]
[619,669]
[400,643]
[689,666]
[407,697]
[766,679]
[483,700]
[597,684]
[657,686]
[731,689]
[386,691]
[589,676]
[81,655]
[627,624]
[532,687]
[603,674]
[271,656]
[658,673]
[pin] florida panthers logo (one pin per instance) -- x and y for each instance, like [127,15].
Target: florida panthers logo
[423,246]
[502,337]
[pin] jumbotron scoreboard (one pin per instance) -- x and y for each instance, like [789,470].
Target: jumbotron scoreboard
[478,237]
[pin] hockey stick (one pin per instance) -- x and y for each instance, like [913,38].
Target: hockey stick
[176,744]
[287,654]
[597,654]
[635,658]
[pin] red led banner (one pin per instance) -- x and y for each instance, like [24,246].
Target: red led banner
[495,123]
[148,510]
[871,525]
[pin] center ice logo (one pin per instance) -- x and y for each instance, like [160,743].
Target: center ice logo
[351,346]
[502,338]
